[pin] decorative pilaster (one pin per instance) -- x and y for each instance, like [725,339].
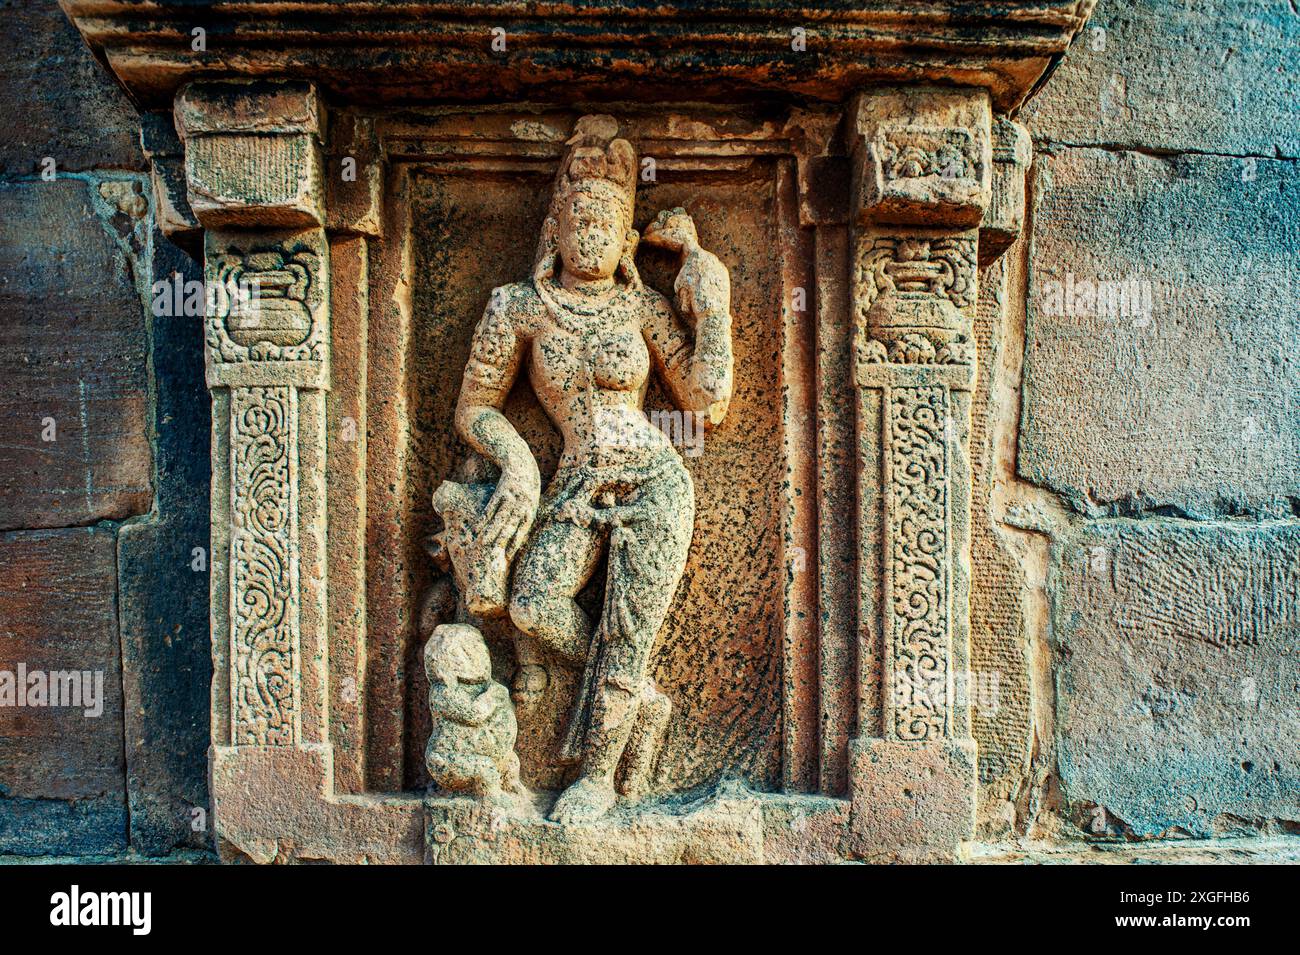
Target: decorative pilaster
[922,163]
[253,175]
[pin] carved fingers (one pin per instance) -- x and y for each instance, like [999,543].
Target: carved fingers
[583,514]
[509,515]
[672,229]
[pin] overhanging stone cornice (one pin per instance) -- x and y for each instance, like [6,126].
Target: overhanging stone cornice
[416,51]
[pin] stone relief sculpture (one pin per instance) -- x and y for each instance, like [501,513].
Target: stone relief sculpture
[588,332]
[472,746]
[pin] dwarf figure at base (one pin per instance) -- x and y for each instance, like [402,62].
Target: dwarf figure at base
[472,746]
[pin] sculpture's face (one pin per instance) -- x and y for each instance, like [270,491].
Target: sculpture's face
[591,236]
[456,655]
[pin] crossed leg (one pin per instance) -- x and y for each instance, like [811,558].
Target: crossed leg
[646,561]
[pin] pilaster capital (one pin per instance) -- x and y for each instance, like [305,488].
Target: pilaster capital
[252,153]
[921,156]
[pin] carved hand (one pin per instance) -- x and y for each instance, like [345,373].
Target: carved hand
[510,512]
[702,285]
[583,514]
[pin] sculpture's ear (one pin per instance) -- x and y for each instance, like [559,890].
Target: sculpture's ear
[547,243]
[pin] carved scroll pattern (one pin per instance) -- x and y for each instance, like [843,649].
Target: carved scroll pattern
[919,630]
[263,596]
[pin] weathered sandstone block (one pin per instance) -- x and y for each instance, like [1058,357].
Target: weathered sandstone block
[1176,647]
[1196,75]
[1160,363]
[72,354]
[62,777]
[60,102]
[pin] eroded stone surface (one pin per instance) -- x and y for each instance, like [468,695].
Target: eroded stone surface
[62,778]
[737,642]
[1160,361]
[60,104]
[720,831]
[72,347]
[472,746]
[1001,687]
[912,802]
[1194,75]
[1176,654]
[719,655]
[818,50]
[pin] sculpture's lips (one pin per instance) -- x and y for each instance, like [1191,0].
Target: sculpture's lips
[915,276]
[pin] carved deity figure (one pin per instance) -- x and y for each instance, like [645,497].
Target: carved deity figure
[472,746]
[589,332]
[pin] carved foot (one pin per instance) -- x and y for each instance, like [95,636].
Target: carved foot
[517,802]
[585,801]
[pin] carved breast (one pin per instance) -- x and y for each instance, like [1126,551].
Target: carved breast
[614,360]
[620,361]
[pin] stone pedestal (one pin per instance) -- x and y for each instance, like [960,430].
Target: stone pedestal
[912,801]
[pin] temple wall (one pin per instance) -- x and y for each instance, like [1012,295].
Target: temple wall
[1147,453]
[1135,515]
[103,471]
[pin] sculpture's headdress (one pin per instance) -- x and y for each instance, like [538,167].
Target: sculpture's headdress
[600,165]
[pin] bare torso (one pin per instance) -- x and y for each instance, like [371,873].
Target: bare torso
[589,366]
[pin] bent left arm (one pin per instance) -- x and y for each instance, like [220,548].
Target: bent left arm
[698,373]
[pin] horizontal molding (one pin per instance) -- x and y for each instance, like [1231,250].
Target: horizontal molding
[722,50]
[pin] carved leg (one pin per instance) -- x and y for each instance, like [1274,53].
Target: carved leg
[647,733]
[477,775]
[554,565]
[554,637]
[510,780]
[485,782]
[531,678]
[645,564]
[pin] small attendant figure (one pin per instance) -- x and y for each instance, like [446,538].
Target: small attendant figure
[472,746]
